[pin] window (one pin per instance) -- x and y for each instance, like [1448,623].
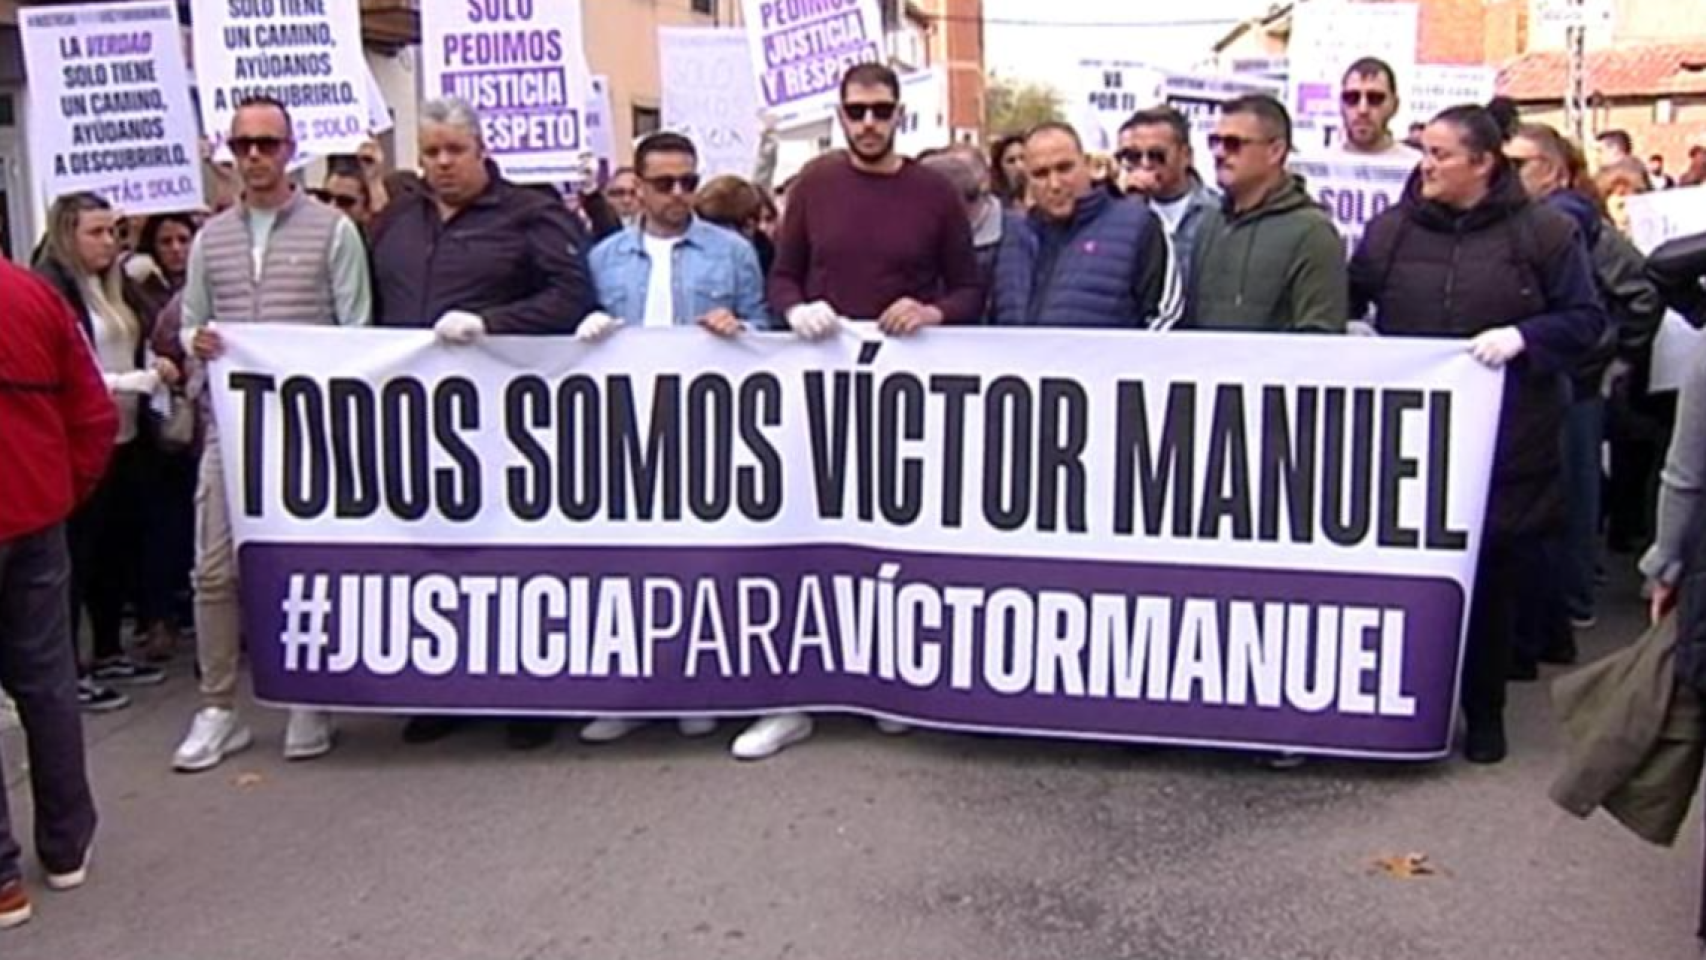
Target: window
[8,112]
[647,120]
[707,7]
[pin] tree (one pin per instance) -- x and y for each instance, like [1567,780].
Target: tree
[1013,106]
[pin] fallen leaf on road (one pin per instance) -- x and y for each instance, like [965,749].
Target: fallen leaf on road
[1406,866]
[244,781]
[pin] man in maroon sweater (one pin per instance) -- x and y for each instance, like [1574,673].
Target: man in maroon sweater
[869,235]
[57,424]
[872,235]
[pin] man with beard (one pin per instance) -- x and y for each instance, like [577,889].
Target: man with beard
[871,235]
[1368,100]
[868,235]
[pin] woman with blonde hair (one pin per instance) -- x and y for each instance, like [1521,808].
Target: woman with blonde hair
[80,258]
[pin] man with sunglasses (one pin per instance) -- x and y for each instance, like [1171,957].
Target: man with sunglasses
[623,194]
[1368,101]
[1157,164]
[671,268]
[1269,259]
[1081,257]
[275,257]
[871,235]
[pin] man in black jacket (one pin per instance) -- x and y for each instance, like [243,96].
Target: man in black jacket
[475,254]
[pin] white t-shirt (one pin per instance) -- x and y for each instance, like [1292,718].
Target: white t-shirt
[1172,212]
[1398,151]
[261,223]
[660,289]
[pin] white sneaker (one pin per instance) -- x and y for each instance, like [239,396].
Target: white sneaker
[609,729]
[696,726]
[215,734]
[770,735]
[71,881]
[308,734]
[894,728]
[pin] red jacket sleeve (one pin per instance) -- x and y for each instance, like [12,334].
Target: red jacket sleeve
[91,419]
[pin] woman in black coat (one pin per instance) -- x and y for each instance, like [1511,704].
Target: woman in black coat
[1466,254]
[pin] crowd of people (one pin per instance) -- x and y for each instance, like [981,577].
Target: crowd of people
[1503,238]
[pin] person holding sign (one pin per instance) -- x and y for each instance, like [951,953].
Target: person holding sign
[1467,254]
[1081,258]
[871,235]
[1155,153]
[672,268]
[275,257]
[474,254]
[1269,258]
[1368,100]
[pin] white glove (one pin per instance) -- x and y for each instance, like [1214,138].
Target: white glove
[596,327]
[141,382]
[814,320]
[1498,346]
[459,327]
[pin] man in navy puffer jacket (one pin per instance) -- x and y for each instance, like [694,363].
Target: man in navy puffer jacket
[1082,258]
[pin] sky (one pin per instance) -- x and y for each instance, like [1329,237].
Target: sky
[1041,39]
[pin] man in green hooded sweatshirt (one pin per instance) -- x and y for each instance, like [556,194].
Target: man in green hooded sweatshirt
[1269,259]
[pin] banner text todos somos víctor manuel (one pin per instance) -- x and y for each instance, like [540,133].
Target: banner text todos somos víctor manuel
[1200,539]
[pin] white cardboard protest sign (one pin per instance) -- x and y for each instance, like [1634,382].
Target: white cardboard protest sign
[1653,219]
[110,109]
[1328,36]
[709,96]
[1436,87]
[305,54]
[523,67]
[800,51]
[1353,190]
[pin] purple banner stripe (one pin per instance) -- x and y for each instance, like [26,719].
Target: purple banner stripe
[1388,691]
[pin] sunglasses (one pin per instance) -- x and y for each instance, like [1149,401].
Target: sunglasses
[619,193]
[1232,143]
[1374,98]
[664,184]
[857,112]
[1155,156]
[341,201]
[240,146]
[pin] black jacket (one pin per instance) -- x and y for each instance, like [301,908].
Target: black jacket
[1678,269]
[68,287]
[1432,271]
[515,257]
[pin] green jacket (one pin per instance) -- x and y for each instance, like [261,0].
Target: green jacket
[1633,734]
[1278,267]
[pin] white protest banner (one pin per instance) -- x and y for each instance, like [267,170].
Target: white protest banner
[1354,191]
[1439,86]
[522,65]
[710,97]
[305,54]
[1205,539]
[110,109]
[379,117]
[801,49]
[1200,98]
[1106,94]
[1653,219]
[1328,36]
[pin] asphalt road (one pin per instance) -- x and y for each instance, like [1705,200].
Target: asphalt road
[852,845]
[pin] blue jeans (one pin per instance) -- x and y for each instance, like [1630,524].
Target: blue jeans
[1578,560]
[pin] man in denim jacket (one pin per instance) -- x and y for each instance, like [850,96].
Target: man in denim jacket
[671,268]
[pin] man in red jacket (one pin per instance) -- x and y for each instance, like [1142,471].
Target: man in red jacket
[57,424]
